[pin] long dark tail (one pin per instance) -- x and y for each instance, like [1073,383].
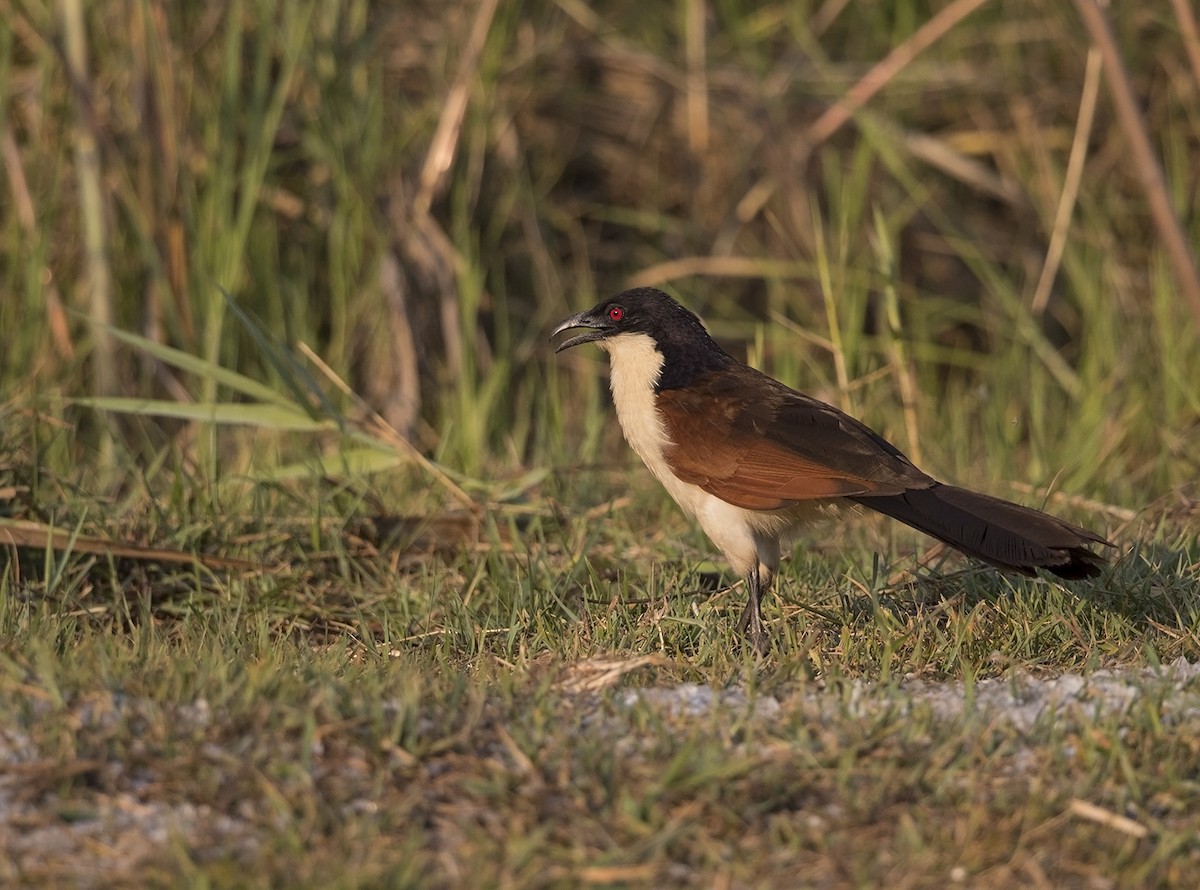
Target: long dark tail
[1004,534]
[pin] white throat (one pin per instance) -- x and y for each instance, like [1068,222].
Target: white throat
[636,365]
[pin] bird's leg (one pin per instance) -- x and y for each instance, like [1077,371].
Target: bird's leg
[751,623]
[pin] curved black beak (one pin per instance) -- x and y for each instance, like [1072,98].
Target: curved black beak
[598,326]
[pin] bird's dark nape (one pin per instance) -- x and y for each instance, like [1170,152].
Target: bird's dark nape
[996,531]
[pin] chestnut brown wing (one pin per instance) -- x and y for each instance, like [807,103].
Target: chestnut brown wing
[757,444]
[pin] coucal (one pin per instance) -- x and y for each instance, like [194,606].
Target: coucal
[752,460]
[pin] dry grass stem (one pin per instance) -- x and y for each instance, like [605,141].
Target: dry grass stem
[1070,188]
[1144,160]
[834,118]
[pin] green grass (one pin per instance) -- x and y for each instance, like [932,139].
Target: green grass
[420,704]
[455,622]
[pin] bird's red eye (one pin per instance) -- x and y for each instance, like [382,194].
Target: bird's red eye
[616,313]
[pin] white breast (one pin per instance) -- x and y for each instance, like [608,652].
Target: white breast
[636,366]
[744,536]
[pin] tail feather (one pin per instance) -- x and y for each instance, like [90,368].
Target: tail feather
[996,531]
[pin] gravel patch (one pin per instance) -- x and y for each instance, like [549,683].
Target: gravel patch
[96,838]
[1020,700]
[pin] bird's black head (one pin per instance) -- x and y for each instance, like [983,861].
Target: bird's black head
[678,334]
[643,310]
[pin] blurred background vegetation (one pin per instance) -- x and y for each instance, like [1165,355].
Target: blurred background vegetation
[300,516]
[414,192]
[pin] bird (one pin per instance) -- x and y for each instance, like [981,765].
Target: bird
[753,460]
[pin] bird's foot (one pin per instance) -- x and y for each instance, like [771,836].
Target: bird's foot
[752,629]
